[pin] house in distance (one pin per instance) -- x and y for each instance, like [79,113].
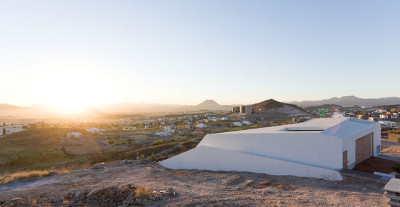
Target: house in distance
[317,148]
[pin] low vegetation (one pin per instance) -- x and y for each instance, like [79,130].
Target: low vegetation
[392,150]
[29,174]
[40,152]
[163,141]
[143,193]
[116,140]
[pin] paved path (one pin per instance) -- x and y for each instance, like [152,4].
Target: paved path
[389,157]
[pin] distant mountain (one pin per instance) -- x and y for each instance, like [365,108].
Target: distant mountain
[9,107]
[272,107]
[47,111]
[347,101]
[208,105]
[10,110]
[44,111]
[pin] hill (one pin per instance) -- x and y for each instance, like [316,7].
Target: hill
[12,110]
[47,111]
[9,107]
[272,107]
[211,105]
[208,104]
[351,101]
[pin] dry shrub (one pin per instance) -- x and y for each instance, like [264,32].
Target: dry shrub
[142,192]
[392,149]
[28,174]
[74,166]
[183,148]
[6,178]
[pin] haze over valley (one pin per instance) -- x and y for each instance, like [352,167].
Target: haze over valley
[199,103]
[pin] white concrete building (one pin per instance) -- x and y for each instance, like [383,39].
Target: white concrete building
[384,116]
[316,148]
[248,123]
[237,124]
[163,134]
[170,129]
[201,125]
[6,130]
[388,124]
[380,110]
[74,134]
[94,130]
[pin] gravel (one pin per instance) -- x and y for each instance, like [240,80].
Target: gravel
[114,184]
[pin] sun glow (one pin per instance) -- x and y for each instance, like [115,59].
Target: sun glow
[70,107]
[73,91]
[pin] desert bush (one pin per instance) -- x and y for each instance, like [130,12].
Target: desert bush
[159,141]
[9,177]
[29,174]
[182,148]
[392,149]
[158,158]
[142,192]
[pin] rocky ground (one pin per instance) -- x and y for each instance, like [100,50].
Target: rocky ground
[114,184]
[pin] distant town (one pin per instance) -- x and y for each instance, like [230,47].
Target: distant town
[155,141]
[192,123]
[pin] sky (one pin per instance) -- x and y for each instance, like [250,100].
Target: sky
[182,52]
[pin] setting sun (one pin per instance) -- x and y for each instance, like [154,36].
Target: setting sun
[70,107]
[199,103]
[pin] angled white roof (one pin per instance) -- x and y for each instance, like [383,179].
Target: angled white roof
[280,150]
[337,127]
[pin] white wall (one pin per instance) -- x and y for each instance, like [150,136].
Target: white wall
[349,143]
[208,158]
[309,148]
[13,129]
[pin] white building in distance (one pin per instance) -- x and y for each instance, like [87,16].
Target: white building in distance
[94,130]
[237,124]
[201,125]
[6,130]
[74,134]
[316,148]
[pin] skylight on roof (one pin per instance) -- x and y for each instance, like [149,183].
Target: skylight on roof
[305,128]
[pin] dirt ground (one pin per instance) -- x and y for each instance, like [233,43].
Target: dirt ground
[192,187]
[376,165]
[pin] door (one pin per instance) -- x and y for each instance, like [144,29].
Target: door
[363,148]
[345,159]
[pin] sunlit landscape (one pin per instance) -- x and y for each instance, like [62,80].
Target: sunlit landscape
[199,103]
